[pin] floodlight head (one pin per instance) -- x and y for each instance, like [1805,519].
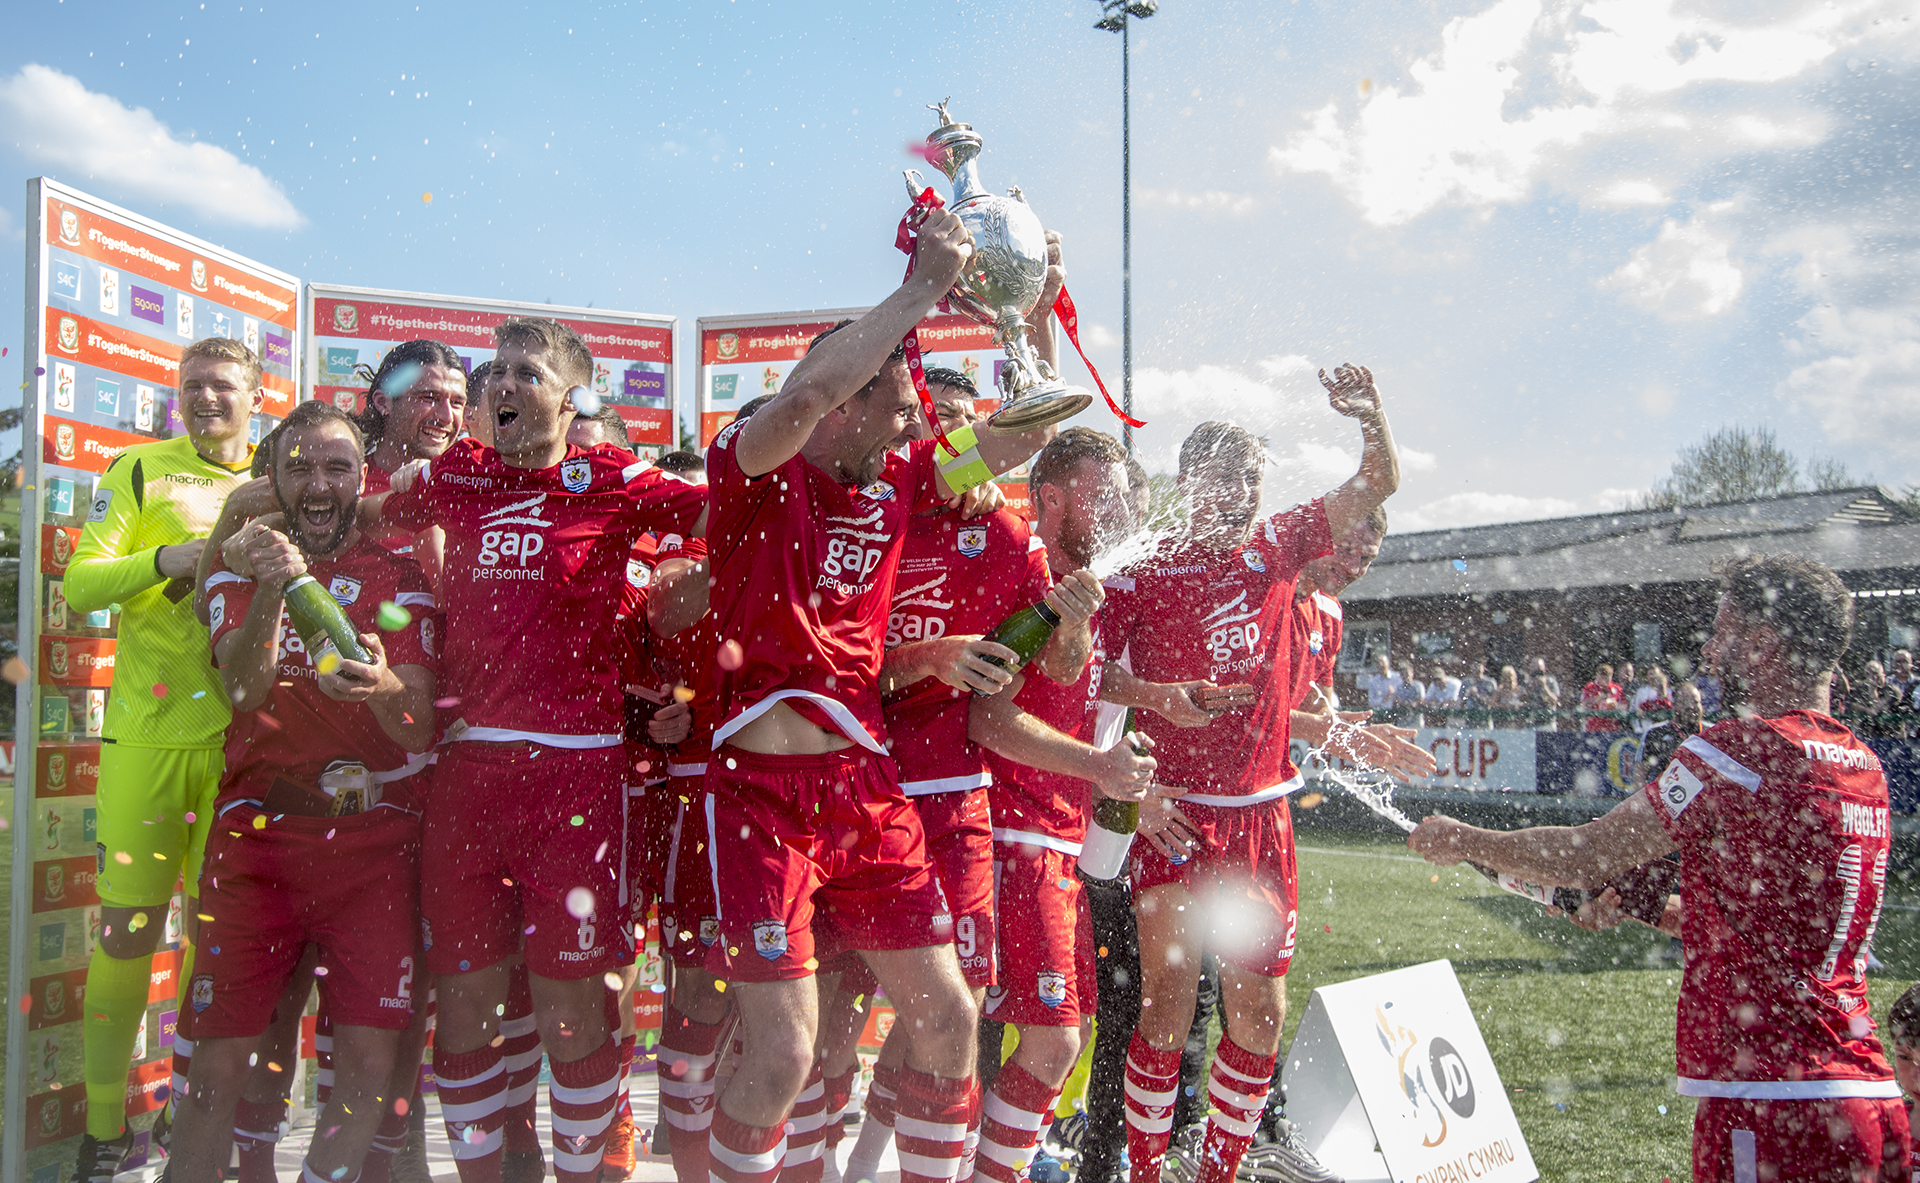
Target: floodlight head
[1143,8]
[1113,24]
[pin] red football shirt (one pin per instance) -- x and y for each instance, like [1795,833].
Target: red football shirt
[1047,808]
[299,731]
[679,660]
[1313,643]
[803,573]
[1189,613]
[1783,829]
[535,561]
[379,480]
[959,578]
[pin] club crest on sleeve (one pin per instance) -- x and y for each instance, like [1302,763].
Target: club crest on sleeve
[973,541]
[879,491]
[202,996]
[1316,641]
[770,939]
[345,589]
[1052,987]
[576,475]
[710,931]
[428,644]
[1255,562]
[638,573]
[671,542]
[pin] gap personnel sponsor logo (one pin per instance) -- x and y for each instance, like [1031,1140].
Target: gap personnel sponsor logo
[497,546]
[1833,753]
[903,625]
[1233,629]
[1864,821]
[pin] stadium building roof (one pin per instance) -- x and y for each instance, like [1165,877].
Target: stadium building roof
[1867,534]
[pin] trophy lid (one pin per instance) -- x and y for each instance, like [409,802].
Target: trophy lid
[956,142]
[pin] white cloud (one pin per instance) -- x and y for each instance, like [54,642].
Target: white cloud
[56,120]
[1414,460]
[1684,274]
[1516,95]
[1099,336]
[1212,201]
[1477,509]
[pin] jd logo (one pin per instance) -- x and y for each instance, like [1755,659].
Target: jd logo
[1450,1077]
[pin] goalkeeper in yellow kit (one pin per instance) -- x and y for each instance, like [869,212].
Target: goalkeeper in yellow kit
[160,762]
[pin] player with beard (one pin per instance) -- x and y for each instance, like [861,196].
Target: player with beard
[515,849]
[1782,821]
[318,825]
[1215,606]
[160,760]
[1045,776]
[960,576]
[809,504]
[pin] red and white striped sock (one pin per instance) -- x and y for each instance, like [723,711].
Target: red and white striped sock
[741,1153]
[1153,1077]
[323,1057]
[581,1097]
[805,1121]
[388,1141]
[970,1149]
[1238,1088]
[623,1089]
[521,1054]
[930,1125]
[473,1093]
[1011,1119]
[683,1069]
[876,1132]
[256,1131]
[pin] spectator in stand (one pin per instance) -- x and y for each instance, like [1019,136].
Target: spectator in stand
[1407,699]
[1652,701]
[1663,739]
[1509,699]
[1601,695]
[1543,691]
[1839,690]
[1481,691]
[1629,679]
[1712,702]
[1901,680]
[1382,686]
[1442,698]
[1876,700]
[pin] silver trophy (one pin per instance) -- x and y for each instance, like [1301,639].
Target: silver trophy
[1002,280]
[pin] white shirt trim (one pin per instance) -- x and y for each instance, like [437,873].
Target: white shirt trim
[1327,604]
[699,769]
[1257,797]
[948,784]
[508,735]
[414,764]
[1787,1090]
[1723,764]
[220,577]
[1029,838]
[836,710]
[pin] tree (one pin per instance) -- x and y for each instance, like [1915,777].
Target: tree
[1738,464]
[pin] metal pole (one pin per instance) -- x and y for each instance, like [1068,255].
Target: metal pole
[1126,230]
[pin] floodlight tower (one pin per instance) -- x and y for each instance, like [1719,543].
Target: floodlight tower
[1115,17]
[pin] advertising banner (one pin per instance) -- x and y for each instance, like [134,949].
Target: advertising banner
[632,351]
[112,300]
[744,357]
[1464,758]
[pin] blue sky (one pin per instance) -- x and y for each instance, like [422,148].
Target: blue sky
[1569,236]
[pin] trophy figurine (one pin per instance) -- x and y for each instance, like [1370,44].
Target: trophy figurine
[1002,281]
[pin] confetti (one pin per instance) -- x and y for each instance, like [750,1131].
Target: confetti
[465,965]
[189,819]
[577,820]
[331,833]
[14,671]
[426,198]
[138,922]
[613,982]
[392,617]
[1663,1110]
[400,1106]
[1366,87]
[329,662]
[683,694]
[158,855]
[272,1067]
[1309,800]
[199,694]
[113,607]
[579,903]
[26,1004]
[1460,565]
[260,822]
[584,401]
[123,858]
[722,986]
[730,655]
[203,916]
[406,716]
[267,721]
[600,853]
[445,704]
[498,1039]
[159,689]
[1326,928]
[1435,879]
[319,971]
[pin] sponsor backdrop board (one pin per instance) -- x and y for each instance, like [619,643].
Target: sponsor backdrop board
[744,357]
[112,299]
[354,327]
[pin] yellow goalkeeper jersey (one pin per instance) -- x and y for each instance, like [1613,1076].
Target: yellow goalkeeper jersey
[166,692]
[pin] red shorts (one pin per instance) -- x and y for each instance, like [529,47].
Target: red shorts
[1245,878]
[347,884]
[827,839]
[1848,1139]
[960,843]
[650,813]
[1046,974]
[689,922]
[511,831]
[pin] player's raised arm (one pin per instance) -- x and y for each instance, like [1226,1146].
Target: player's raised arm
[1351,392]
[678,598]
[244,504]
[1122,771]
[844,363]
[1559,856]
[249,656]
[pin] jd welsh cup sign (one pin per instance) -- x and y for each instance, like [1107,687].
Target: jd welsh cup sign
[1396,1061]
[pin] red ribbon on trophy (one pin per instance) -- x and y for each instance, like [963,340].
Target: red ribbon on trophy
[1070,321]
[903,239]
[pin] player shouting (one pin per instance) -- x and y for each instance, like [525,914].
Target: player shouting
[1043,769]
[160,760]
[809,506]
[318,830]
[1781,820]
[522,841]
[1216,606]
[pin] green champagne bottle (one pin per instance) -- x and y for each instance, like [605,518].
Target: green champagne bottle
[1024,632]
[1110,836]
[318,618]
